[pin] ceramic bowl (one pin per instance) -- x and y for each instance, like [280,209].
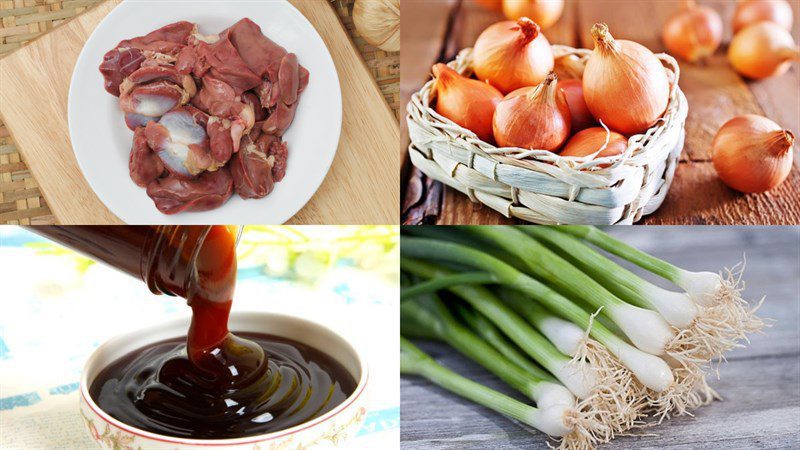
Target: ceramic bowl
[327,431]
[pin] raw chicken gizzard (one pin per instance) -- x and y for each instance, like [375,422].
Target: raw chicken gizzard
[208,112]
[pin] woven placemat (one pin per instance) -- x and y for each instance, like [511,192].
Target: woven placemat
[21,202]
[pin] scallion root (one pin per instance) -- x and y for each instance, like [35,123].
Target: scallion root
[588,430]
[616,397]
[689,392]
[733,307]
[721,324]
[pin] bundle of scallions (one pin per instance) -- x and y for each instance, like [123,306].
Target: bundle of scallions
[598,349]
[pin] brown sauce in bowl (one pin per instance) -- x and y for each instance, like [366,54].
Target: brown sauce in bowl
[157,389]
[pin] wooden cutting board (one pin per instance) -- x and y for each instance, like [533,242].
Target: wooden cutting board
[362,186]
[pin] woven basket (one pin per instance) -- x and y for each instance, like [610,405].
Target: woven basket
[540,186]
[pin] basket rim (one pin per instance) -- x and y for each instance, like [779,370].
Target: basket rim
[419,110]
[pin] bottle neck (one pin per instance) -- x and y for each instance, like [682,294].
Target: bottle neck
[169,256]
[163,257]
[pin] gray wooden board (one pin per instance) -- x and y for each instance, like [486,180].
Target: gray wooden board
[760,384]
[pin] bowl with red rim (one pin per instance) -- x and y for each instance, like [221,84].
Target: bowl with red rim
[329,430]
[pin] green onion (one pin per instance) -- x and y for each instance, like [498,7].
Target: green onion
[485,329]
[575,377]
[646,329]
[723,319]
[431,312]
[550,281]
[414,361]
[702,287]
[565,335]
[443,282]
[650,370]
[678,309]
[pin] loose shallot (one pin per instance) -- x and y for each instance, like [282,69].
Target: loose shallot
[749,12]
[467,102]
[693,33]
[510,55]
[536,118]
[752,153]
[544,12]
[624,83]
[763,50]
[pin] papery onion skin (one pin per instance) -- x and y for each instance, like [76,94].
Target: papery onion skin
[535,117]
[467,102]
[378,22]
[624,84]
[569,67]
[582,118]
[544,12]
[749,12]
[693,33]
[510,55]
[590,140]
[752,153]
[762,50]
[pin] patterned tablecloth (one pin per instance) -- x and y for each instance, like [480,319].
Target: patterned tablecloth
[57,308]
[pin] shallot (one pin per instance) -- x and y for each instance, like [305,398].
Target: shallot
[495,5]
[593,140]
[624,83]
[749,12]
[467,102]
[693,33]
[543,12]
[752,153]
[511,55]
[533,117]
[763,50]
[581,117]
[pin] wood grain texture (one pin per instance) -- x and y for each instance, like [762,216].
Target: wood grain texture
[760,384]
[361,187]
[422,197]
[425,19]
[21,201]
[33,102]
[698,197]
[715,94]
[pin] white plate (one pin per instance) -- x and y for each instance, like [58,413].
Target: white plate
[102,142]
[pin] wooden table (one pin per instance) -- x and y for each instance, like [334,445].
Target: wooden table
[436,30]
[760,384]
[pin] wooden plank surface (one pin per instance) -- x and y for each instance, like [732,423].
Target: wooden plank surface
[422,195]
[361,187]
[760,384]
[714,91]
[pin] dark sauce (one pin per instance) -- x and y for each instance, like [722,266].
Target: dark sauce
[213,384]
[156,389]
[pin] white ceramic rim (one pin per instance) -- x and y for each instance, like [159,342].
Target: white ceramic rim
[359,391]
[200,217]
